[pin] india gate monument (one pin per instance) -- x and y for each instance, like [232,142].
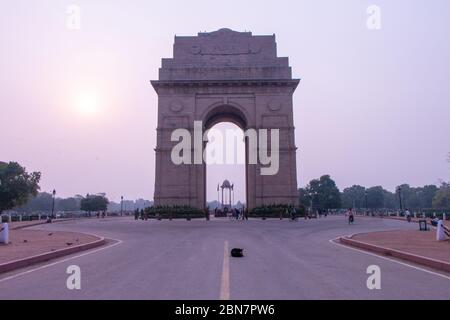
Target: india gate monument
[225,76]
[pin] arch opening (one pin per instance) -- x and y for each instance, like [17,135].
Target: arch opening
[225,113]
[226,157]
[225,167]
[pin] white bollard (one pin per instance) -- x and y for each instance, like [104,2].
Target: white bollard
[4,233]
[39,217]
[440,234]
[20,218]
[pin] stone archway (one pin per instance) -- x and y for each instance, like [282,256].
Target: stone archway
[235,114]
[225,76]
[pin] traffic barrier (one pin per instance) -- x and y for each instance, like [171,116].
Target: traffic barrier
[4,233]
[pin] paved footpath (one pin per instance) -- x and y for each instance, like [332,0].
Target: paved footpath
[189,260]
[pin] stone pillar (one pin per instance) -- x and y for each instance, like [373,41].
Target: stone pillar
[440,234]
[4,233]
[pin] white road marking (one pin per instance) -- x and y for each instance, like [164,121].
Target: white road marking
[333,241]
[61,261]
[225,283]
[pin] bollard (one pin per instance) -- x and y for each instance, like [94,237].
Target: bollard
[4,233]
[20,218]
[39,217]
[440,234]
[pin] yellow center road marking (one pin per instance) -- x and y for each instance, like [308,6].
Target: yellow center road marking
[225,282]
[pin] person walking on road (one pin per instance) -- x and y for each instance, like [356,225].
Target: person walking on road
[351,217]
[408,215]
[294,214]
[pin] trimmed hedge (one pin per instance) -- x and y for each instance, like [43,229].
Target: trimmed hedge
[276,210]
[174,212]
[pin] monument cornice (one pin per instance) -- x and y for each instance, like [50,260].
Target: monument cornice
[293,83]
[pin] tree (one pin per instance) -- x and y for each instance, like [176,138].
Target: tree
[92,203]
[305,200]
[42,202]
[416,198]
[375,197]
[426,195]
[323,193]
[68,204]
[354,197]
[16,185]
[442,197]
[390,200]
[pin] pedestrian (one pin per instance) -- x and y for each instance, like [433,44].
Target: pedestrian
[408,215]
[293,214]
[351,217]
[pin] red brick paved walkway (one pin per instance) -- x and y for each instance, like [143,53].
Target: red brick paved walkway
[421,243]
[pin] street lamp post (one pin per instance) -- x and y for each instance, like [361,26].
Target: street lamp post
[399,189]
[365,199]
[121,206]
[53,203]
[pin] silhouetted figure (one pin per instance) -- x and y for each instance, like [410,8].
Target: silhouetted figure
[351,217]
[293,214]
[408,215]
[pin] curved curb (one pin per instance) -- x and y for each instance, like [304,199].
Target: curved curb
[38,223]
[21,263]
[424,261]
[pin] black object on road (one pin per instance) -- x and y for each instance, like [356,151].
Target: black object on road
[237,253]
[423,225]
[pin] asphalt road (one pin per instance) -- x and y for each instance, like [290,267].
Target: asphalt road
[190,260]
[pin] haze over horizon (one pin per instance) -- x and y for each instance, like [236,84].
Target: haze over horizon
[372,107]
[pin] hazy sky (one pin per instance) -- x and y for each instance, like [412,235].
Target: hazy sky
[373,106]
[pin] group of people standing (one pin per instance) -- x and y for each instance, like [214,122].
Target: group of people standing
[140,214]
[238,214]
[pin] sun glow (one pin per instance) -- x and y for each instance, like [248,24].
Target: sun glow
[87,104]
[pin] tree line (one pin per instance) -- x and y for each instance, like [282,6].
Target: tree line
[19,190]
[323,194]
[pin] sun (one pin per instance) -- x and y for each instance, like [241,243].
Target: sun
[87,104]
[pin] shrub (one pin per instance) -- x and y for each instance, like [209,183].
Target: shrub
[174,212]
[276,210]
